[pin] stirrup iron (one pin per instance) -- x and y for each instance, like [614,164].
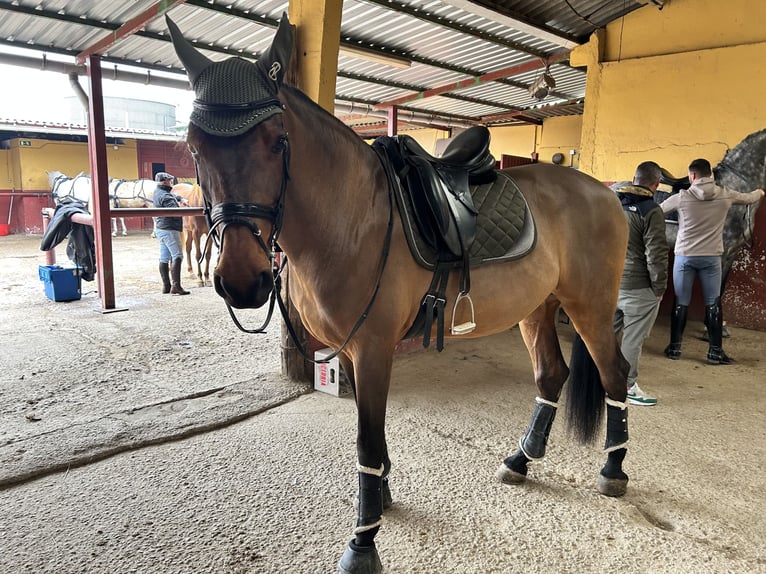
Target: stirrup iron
[468,326]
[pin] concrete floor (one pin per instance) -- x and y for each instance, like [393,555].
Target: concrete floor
[274,492]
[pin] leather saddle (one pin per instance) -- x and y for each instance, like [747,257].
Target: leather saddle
[439,187]
[444,211]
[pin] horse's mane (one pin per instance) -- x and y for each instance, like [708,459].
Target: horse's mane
[328,125]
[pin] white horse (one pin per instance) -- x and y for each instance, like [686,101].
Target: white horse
[129,193]
[122,193]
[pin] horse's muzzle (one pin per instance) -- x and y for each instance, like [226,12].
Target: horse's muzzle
[249,296]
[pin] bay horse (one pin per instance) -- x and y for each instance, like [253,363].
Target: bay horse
[279,171]
[195,228]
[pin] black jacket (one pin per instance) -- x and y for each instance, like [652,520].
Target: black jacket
[81,248]
[163,198]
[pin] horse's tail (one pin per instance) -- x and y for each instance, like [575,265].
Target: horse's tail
[585,398]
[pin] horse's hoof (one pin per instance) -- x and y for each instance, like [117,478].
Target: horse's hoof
[509,476]
[360,560]
[612,486]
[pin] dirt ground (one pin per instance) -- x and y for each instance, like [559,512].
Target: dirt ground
[161,439]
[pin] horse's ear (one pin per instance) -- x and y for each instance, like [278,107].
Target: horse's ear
[193,60]
[275,60]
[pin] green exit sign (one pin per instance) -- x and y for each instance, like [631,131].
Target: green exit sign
[25,143]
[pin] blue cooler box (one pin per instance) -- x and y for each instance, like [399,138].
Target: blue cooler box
[61,283]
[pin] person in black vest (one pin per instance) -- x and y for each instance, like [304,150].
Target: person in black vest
[168,230]
[645,275]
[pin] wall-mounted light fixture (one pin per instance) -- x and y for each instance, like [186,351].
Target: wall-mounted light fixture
[543,85]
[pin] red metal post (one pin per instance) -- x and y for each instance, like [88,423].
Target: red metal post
[100,185]
[393,121]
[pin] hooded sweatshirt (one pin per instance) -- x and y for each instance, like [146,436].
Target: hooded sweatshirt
[702,213]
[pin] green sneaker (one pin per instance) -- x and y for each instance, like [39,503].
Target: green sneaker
[638,397]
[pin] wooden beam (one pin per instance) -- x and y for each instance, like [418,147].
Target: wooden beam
[130,27]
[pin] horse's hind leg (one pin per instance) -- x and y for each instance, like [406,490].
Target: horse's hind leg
[539,333]
[598,368]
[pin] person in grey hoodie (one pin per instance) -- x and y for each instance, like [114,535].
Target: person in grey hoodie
[702,212]
[645,275]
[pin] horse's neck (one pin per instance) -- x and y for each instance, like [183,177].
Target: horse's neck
[336,192]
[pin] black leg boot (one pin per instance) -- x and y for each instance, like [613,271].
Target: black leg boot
[165,275]
[677,326]
[714,324]
[175,271]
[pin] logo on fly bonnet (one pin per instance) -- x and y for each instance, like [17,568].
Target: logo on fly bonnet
[274,71]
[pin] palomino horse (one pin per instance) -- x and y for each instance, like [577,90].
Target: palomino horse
[276,168]
[122,193]
[195,228]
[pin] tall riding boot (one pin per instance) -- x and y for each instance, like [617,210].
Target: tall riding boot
[165,275]
[677,326]
[714,324]
[175,271]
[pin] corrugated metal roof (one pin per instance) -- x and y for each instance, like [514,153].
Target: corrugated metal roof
[446,42]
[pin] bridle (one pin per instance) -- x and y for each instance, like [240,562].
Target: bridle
[220,216]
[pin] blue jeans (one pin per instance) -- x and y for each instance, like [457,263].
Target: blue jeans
[170,245]
[708,267]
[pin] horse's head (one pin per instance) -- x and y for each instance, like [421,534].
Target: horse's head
[53,176]
[743,167]
[239,143]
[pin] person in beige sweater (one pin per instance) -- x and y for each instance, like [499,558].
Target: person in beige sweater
[702,213]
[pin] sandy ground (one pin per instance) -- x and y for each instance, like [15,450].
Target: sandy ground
[161,439]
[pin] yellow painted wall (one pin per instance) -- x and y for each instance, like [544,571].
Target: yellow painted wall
[697,98]
[6,180]
[685,26]
[30,164]
[426,137]
[513,140]
[560,135]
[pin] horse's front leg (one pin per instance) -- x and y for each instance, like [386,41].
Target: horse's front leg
[208,251]
[124,226]
[197,257]
[371,378]
[539,333]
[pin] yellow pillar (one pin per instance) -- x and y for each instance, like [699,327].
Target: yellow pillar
[317,41]
[590,55]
